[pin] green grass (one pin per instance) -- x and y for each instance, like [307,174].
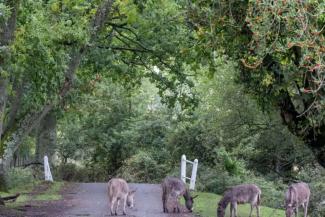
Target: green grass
[206,206]
[23,190]
[52,193]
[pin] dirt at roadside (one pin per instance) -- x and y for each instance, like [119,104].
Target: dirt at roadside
[38,208]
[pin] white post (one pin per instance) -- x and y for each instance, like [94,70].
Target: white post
[194,171]
[47,170]
[183,168]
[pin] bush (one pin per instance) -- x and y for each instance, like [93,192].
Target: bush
[18,177]
[218,180]
[317,200]
[71,172]
[142,167]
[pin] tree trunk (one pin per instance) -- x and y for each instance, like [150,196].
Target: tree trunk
[46,138]
[3,100]
[313,137]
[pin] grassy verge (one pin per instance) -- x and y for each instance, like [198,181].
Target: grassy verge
[206,206]
[38,191]
[52,193]
[23,190]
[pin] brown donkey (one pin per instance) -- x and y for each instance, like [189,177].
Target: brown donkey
[246,193]
[297,195]
[118,190]
[172,189]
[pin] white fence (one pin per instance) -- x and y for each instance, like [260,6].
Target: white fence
[194,171]
[47,171]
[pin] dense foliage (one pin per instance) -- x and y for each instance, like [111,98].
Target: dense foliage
[124,88]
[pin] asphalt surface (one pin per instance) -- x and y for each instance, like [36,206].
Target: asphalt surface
[90,199]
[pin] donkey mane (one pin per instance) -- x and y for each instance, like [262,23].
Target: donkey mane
[187,194]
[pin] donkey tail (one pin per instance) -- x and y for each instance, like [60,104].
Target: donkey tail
[259,199]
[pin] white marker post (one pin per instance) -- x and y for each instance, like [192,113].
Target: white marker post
[47,170]
[183,168]
[194,171]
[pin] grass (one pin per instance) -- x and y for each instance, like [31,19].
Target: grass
[52,193]
[30,192]
[206,206]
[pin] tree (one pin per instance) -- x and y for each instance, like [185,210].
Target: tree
[9,10]
[280,48]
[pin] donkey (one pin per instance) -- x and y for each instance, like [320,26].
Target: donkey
[297,195]
[246,193]
[172,189]
[118,189]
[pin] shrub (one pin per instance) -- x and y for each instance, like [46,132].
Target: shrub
[19,177]
[218,180]
[317,200]
[142,167]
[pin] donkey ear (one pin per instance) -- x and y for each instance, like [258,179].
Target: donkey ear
[195,196]
[133,191]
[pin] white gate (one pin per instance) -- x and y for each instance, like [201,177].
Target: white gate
[194,171]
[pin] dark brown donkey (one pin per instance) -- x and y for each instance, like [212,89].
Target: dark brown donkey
[246,193]
[172,189]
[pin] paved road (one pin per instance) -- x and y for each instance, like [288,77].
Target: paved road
[90,199]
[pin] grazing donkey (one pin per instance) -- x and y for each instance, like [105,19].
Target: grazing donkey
[297,195]
[172,189]
[246,193]
[118,190]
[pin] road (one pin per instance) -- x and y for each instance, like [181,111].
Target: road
[90,199]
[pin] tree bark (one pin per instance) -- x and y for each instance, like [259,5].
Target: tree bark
[14,102]
[314,138]
[46,138]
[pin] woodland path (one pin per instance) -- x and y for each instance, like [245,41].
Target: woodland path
[90,199]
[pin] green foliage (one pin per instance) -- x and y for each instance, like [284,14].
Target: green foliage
[4,13]
[18,177]
[164,78]
[143,167]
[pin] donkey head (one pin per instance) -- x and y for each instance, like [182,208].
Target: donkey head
[130,199]
[189,202]
[290,210]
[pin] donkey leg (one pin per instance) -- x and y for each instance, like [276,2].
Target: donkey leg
[250,213]
[112,206]
[178,204]
[235,209]
[164,202]
[124,205]
[231,209]
[296,211]
[257,211]
[306,209]
[117,205]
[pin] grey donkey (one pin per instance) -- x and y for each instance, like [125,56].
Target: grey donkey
[297,195]
[246,193]
[118,190]
[172,189]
